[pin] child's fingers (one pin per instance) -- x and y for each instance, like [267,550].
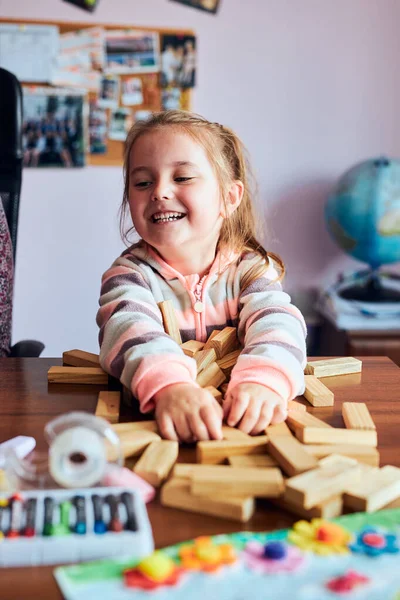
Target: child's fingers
[227,405]
[198,428]
[166,428]
[183,429]
[251,416]
[213,421]
[266,415]
[280,414]
[218,408]
[239,406]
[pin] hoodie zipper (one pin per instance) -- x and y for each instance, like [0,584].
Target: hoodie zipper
[199,308]
[198,305]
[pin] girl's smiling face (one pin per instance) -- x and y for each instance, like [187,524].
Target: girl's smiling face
[174,195]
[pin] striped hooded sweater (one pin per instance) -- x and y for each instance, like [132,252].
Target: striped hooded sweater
[135,348]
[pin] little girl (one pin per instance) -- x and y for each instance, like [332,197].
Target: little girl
[187,190]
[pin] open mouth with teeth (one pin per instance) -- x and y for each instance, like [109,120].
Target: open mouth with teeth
[167,217]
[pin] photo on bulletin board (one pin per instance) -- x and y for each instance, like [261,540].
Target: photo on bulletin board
[142,115]
[151,91]
[129,51]
[53,128]
[178,61]
[171,98]
[121,121]
[132,92]
[210,6]
[109,91]
[97,129]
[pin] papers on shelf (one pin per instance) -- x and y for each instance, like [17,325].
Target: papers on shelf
[81,58]
[29,51]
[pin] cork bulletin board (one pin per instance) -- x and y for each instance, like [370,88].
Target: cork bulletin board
[135,94]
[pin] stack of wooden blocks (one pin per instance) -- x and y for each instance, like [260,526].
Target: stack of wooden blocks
[304,465]
[215,358]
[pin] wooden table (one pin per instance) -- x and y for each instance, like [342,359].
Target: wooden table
[27,403]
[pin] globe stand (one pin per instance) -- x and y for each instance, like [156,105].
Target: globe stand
[370,290]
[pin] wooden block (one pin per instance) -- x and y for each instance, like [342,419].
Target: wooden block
[293,405]
[134,443]
[87,375]
[316,392]
[333,366]
[205,358]
[239,481]
[298,420]
[278,430]
[80,358]
[256,461]
[192,347]
[186,470]
[337,435]
[157,461]
[216,393]
[108,404]
[176,493]
[334,459]
[364,454]
[329,509]
[215,451]
[374,491]
[231,433]
[170,321]
[211,376]
[357,416]
[227,362]
[212,335]
[224,341]
[135,426]
[290,455]
[394,504]
[314,487]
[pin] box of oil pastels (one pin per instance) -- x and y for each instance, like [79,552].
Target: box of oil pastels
[44,527]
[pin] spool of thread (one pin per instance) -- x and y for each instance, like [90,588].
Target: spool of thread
[77,457]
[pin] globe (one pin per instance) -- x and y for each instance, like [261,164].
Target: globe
[363,217]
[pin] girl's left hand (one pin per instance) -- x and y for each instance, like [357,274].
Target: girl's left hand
[255,406]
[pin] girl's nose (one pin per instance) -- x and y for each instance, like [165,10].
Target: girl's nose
[162,192]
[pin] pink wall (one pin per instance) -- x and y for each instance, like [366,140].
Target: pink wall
[311,86]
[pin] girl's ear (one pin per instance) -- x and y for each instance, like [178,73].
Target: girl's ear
[233,199]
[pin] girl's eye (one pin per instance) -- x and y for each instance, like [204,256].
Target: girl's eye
[142,184]
[182,179]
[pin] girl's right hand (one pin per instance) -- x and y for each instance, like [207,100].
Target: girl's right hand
[187,413]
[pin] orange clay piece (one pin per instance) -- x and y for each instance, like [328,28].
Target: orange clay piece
[329,533]
[206,556]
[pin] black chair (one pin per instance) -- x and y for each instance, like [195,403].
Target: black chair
[11,155]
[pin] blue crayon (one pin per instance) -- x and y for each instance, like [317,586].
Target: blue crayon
[99,525]
[80,505]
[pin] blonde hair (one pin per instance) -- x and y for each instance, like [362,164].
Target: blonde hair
[228,156]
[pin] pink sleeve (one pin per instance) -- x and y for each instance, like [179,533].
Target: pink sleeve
[273,333]
[157,373]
